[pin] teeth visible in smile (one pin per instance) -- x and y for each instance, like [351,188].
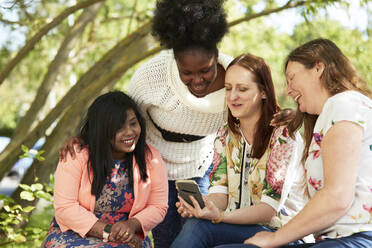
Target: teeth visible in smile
[127,141]
[296,98]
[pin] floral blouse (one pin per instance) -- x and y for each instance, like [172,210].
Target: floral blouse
[357,108]
[276,178]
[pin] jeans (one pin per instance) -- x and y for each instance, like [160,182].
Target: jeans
[357,240]
[167,231]
[198,233]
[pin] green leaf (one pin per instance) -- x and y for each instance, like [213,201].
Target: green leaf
[40,158]
[48,189]
[25,149]
[51,178]
[28,209]
[16,207]
[19,238]
[9,229]
[28,196]
[40,152]
[7,208]
[44,195]
[15,222]
[25,187]
[36,187]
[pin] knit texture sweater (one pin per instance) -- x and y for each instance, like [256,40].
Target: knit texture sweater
[158,90]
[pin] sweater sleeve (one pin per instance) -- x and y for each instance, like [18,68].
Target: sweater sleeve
[157,203]
[69,213]
[148,82]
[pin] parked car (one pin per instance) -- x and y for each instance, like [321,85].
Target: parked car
[11,180]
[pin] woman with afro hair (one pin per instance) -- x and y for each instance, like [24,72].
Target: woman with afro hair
[181,93]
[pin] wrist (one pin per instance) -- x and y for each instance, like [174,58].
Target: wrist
[219,218]
[136,224]
[277,239]
[106,232]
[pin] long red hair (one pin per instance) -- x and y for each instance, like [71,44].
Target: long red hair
[263,130]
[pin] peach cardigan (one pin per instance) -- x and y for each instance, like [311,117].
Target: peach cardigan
[74,204]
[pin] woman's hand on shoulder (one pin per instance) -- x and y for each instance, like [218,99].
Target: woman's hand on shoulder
[283,117]
[68,147]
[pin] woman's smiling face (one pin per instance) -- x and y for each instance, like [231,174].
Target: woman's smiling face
[127,137]
[197,69]
[305,87]
[243,95]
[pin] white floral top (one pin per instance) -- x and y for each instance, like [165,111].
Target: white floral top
[357,108]
[276,178]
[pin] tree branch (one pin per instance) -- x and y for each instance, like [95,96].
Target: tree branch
[27,121]
[131,16]
[266,12]
[109,68]
[10,22]
[37,37]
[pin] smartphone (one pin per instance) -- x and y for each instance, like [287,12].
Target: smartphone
[186,188]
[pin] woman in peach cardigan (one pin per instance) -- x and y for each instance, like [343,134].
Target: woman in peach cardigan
[115,190]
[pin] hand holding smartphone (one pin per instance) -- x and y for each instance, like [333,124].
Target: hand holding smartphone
[186,188]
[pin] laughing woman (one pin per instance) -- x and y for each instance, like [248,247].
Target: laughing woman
[115,190]
[335,105]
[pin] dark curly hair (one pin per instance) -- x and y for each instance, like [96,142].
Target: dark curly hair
[184,24]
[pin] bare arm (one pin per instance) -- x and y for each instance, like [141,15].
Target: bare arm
[260,213]
[331,202]
[219,200]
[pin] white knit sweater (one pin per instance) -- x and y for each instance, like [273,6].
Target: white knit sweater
[159,91]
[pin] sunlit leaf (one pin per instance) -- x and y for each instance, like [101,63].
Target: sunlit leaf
[28,196]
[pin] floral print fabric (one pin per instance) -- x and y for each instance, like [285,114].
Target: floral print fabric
[357,108]
[113,205]
[266,175]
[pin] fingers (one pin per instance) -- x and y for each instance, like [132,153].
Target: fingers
[195,203]
[122,236]
[278,124]
[207,202]
[283,117]
[182,211]
[185,209]
[126,237]
[62,155]
[71,150]
[68,148]
[185,204]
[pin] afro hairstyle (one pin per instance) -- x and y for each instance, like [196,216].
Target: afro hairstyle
[184,24]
